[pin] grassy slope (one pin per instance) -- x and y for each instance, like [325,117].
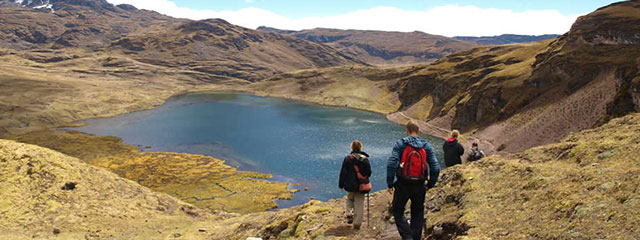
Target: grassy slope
[203,181]
[585,187]
[102,205]
[37,94]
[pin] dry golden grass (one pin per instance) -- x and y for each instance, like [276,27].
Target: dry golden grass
[203,181]
[584,187]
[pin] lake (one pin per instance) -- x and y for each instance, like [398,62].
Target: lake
[297,142]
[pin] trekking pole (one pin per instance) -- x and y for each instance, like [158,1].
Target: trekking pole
[368,216]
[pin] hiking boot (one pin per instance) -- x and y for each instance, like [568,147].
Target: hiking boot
[356,227]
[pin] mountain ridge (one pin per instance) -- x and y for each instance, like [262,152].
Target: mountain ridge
[514,96]
[382,47]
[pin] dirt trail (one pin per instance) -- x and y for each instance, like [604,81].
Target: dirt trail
[428,128]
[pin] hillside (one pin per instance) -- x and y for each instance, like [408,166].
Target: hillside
[36,204]
[380,47]
[506,39]
[213,46]
[561,111]
[584,187]
[63,62]
[514,96]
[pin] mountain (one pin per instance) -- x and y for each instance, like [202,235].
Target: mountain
[382,48]
[507,39]
[212,46]
[221,49]
[576,96]
[513,96]
[89,24]
[134,59]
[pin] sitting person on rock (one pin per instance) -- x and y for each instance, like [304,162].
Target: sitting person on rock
[354,164]
[475,154]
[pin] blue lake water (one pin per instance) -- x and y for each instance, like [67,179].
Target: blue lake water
[297,142]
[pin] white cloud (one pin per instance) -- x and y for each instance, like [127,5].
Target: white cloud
[449,20]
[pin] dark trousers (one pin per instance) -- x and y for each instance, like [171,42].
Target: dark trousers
[402,194]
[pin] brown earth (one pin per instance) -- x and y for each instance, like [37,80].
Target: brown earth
[383,48]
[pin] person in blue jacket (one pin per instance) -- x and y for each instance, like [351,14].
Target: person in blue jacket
[414,191]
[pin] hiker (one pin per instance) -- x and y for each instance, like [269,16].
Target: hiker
[355,173]
[453,150]
[412,162]
[476,154]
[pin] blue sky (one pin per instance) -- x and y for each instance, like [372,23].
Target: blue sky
[305,8]
[448,18]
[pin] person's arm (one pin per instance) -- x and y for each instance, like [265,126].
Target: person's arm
[434,166]
[343,174]
[392,164]
[460,149]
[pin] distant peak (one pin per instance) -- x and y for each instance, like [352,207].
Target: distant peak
[58,4]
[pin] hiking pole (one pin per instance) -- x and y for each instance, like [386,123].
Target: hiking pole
[368,216]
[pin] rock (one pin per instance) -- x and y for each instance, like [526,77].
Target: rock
[177,235]
[306,189]
[254,238]
[202,229]
[437,231]
[607,186]
[69,186]
[315,228]
[56,231]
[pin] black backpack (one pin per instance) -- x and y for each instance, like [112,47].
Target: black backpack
[476,154]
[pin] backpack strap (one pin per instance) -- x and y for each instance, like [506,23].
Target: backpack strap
[360,176]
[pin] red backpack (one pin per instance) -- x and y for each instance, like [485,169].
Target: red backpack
[413,165]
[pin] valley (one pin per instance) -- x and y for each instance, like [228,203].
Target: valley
[559,117]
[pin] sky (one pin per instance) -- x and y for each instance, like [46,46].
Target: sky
[448,18]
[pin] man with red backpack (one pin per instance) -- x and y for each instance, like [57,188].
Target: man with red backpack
[412,162]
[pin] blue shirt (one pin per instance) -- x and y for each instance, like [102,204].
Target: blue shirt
[396,154]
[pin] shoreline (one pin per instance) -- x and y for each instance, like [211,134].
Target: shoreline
[395,117]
